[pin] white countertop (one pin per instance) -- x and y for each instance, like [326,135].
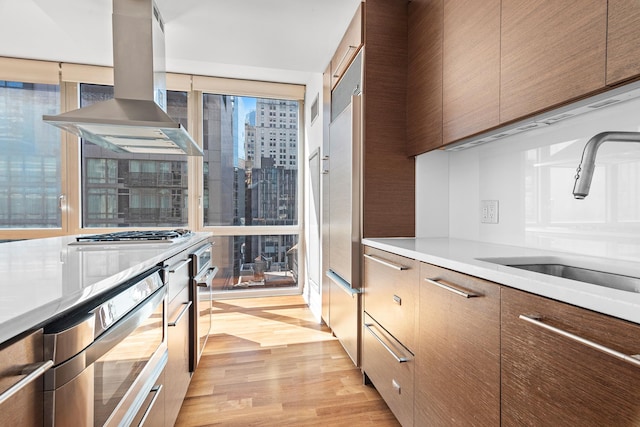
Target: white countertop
[42,278]
[465,256]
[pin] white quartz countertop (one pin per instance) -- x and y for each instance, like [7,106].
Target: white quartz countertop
[43,278]
[467,256]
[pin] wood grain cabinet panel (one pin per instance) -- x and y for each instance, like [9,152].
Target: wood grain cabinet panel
[458,358]
[471,67]
[391,293]
[623,40]
[26,407]
[549,379]
[424,76]
[348,47]
[552,53]
[388,198]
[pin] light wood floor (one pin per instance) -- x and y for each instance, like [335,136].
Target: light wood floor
[268,363]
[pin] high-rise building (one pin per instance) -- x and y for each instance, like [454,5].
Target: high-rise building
[276,133]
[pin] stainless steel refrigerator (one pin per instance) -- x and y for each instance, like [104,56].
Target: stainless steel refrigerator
[342,221]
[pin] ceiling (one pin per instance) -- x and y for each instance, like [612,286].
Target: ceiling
[276,40]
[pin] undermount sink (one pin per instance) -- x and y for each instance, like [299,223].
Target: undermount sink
[559,267]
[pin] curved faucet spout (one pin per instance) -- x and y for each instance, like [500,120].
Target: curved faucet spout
[584,173]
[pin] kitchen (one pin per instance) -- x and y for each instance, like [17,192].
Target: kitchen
[494,192]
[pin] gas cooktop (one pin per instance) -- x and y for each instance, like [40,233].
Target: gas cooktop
[135,236]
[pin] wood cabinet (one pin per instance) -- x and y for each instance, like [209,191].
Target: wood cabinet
[18,359]
[424,76]
[390,367]
[458,355]
[388,198]
[549,378]
[391,293]
[348,47]
[390,302]
[623,40]
[471,67]
[551,54]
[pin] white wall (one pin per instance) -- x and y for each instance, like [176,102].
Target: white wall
[532,177]
[313,141]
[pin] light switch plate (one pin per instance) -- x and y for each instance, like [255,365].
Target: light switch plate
[489,211]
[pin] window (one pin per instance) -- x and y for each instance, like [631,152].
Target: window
[30,156]
[129,190]
[247,184]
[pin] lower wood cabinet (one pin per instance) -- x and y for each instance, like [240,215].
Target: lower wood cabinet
[458,356]
[18,360]
[552,372]
[390,367]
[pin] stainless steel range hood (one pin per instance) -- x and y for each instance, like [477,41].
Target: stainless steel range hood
[135,120]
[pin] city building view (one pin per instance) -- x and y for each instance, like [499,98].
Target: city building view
[250,177]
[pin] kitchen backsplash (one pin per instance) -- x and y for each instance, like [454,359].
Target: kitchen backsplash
[531,175]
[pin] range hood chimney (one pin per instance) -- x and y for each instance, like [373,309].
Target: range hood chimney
[135,120]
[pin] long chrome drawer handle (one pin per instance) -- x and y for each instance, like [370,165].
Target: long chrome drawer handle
[178,265]
[343,284]
[182,312]
[451,288]
[38,370]
[393,265]
[634,360]
[156,393]
[384,344]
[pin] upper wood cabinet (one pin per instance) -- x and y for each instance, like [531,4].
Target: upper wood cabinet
[348,47]
[623,40]
[551,54]
[552,374]
[424,76]
[471,67]
[388,174]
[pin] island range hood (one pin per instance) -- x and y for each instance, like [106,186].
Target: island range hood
[135,120]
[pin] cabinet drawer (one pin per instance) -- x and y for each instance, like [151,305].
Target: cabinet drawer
[177,375]
[348,47]
[389,366]
[176,273]
[391,292]
[17,361]
[564,365]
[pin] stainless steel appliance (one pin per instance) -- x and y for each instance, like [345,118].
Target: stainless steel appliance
[134,236]
[109,355]
[342,192]
[202,275]
[135,120]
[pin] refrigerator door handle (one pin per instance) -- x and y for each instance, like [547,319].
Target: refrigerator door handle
[344,285]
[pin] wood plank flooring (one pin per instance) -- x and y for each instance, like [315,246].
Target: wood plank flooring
[269,363]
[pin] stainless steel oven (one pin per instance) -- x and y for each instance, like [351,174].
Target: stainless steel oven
[202,275]
[109,356]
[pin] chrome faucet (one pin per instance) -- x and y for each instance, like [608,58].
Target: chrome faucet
[584,173]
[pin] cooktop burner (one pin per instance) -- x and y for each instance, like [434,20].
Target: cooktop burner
[135,236]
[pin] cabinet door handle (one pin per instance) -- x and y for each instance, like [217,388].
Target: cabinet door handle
[178,265]
[451,288]
[534,320]
[393,265]
[37,371]
[182,312]
[156,390]
[400,359]
[397,299]
[349,49]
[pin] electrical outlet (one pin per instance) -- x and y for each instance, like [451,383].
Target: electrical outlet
[489,211]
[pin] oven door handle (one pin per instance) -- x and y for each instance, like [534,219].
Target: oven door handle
[208,275]
[124,327]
